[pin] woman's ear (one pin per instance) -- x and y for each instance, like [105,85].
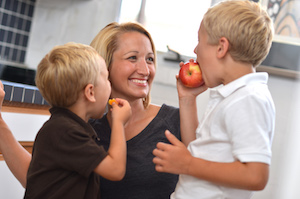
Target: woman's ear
[223,47]
[89,93]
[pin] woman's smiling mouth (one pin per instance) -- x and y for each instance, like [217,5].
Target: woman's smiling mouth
[140,81]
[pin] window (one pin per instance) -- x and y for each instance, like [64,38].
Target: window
[172,23]
[15,23]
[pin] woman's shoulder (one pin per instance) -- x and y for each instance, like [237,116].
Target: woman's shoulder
[169,108]
[164,106]
[165,109]
[168,118]
[167,112]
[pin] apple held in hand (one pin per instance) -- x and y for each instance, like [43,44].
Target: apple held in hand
[190,75]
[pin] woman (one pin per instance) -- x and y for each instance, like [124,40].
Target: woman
[129,52]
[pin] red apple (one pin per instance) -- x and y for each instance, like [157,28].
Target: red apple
[190,75]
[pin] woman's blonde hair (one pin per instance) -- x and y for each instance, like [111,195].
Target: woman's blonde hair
[65,71]
[106,43]
[247,27]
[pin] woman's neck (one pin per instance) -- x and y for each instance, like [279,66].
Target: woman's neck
[139,119]
[137,109]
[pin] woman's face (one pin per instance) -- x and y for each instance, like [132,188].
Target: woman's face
[132,69]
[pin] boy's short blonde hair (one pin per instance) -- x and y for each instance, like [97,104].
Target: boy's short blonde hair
[65,71]
[247,27]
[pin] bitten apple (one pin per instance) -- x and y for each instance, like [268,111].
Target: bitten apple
[190,75]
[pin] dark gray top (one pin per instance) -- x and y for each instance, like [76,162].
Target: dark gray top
[141,179]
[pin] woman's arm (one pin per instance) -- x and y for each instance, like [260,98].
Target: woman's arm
[15,156]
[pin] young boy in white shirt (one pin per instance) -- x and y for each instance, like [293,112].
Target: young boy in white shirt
[230,154]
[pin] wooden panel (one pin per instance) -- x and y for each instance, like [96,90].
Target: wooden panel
[18,107]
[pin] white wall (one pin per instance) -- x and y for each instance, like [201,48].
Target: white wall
[79,21]
[285,159]
[289,162]
[57,22]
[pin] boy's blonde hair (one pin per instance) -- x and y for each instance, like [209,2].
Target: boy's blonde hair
[107,41]
[65,71]
[247,27]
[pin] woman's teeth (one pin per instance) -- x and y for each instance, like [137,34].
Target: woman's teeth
[139,81]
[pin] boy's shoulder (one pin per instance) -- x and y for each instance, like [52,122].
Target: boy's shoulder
[246,85]
[63,120]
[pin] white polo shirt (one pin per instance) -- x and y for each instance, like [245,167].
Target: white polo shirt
[237,125]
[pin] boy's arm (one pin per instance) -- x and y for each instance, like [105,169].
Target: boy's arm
[188,110]
[249,176]
[188,119]
[113,166]
[15,156]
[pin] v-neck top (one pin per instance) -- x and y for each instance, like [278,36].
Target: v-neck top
[141,180]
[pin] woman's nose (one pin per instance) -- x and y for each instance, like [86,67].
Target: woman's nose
[143,68]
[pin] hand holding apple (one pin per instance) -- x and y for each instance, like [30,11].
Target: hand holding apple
[190,75]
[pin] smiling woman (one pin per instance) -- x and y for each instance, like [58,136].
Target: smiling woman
[131,62]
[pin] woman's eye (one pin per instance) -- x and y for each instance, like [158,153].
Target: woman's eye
[150,59]
[132,58]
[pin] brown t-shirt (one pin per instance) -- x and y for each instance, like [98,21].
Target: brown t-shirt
[64,156]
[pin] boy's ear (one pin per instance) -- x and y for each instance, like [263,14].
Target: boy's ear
[89,92]
[223,47]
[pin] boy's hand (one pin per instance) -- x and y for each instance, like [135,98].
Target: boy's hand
[2,94]
[121,110]
[184,91]
[167,156]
